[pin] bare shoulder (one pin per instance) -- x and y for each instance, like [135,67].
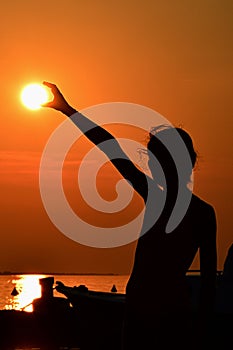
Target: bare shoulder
[201,206]
[203,217]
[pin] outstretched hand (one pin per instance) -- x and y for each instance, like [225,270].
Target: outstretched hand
[59,102]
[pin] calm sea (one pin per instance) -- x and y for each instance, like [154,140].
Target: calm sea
[28,288]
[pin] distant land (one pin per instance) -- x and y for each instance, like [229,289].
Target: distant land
[59,273]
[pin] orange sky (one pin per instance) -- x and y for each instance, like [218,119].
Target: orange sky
[172,56]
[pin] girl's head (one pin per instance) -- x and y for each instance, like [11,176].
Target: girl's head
[162,136]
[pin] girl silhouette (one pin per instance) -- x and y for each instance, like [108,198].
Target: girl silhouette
[158,303]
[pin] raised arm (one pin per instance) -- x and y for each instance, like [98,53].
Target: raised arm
[103,140]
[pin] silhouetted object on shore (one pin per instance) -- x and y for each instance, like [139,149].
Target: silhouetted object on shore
[47,287]
[47,303]
[52,324]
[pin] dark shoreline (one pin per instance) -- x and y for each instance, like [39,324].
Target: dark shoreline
[8,273]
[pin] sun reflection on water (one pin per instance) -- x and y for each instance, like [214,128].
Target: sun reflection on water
[28,288]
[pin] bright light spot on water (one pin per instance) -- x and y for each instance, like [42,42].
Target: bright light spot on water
[29,288]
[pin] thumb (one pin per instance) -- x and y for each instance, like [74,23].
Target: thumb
[49,104]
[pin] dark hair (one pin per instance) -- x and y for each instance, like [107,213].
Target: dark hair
[169,131]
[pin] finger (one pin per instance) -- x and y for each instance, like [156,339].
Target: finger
[50,85]
[53,87]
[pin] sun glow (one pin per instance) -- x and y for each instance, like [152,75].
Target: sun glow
[28,288]
[33,96]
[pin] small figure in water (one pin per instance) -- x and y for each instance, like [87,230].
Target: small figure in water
[158,305]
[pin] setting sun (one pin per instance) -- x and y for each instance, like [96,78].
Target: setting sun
[33,96]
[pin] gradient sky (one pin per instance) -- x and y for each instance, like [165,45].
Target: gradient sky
[175,57]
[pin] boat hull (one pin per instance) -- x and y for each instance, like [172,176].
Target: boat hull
[101,315]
